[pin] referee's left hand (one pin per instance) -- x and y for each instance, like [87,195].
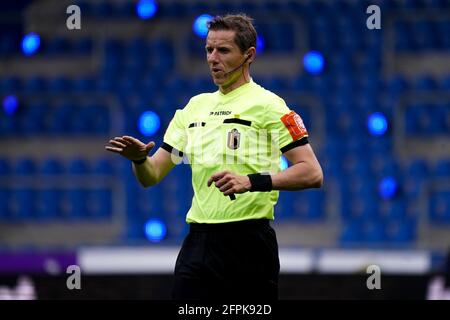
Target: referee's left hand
[230,183]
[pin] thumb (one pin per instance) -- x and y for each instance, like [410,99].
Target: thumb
[149,146]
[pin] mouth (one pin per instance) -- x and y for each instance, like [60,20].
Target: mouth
[216,71]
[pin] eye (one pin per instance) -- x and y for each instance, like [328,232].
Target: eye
[209,50]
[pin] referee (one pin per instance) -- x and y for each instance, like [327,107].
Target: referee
[233,139]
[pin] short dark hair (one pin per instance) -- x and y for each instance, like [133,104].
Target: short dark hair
[245,33]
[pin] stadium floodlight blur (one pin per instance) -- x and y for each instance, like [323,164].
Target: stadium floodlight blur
[387,188]
[149,123]
[155,230]
[10,104]
[260,44]
[200,25]
[146,9]
[30,43]
[283,163]
[313,62]
[377,124]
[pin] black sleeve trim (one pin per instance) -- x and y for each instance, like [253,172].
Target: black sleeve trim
[197,124]
[297,143]
[237,120]
[171,149]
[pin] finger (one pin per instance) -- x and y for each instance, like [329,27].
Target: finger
[112,149]
[121,140]
[223,181]
[117,144]
[226,186]
[131,139]
[229,192]
[215,177]
[149,146]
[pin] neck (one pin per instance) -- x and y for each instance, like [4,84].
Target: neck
[243,78]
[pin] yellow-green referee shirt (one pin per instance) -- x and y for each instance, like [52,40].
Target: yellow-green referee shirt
[244,131]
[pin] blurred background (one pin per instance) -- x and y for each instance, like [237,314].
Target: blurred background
[376,103]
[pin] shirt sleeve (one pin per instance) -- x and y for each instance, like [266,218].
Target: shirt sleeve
[285,126]
[175,135]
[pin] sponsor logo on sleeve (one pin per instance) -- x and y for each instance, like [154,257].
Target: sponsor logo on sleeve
[294,123]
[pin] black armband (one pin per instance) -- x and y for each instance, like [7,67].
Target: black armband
[260,182]
[141,161]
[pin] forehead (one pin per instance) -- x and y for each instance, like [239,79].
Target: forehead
[221,38]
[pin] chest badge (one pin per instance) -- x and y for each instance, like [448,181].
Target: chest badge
[234,139]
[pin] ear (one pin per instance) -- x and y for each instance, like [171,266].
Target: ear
[250,56]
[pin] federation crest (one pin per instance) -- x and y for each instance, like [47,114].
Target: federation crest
[234,139]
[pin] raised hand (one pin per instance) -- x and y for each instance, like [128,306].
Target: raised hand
[130,148]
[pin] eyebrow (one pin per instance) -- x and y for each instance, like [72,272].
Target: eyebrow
[223,46]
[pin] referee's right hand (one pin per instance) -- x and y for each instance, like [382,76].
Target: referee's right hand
[129,147]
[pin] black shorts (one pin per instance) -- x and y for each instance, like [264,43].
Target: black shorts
[227,261]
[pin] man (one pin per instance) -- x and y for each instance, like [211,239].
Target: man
[233,139]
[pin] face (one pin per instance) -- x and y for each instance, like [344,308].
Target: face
[223,55]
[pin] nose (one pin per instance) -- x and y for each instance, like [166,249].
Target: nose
[212,56]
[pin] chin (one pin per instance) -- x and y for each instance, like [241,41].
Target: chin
[217,82]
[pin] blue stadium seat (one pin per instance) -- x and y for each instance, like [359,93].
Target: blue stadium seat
[374,232]
[441,169]
[78,166]
[8,45]
[392,209]
[284,208]
[25,166]
[103,166]
[50,204]
[58,45]
[412,186]
[5,210]
[439,206]
[126,9]
[443,28]
[441,117]
[81,122]
[11,84]
[33,121]
[83,46]
[352,233]
[424,36]
[151,201]
[397,84]
[5,167]
[83,84]
[52,166]
[35,84]
[25,204]
[9,126]
[102,8]
[100,203]
[401,232]
[99,119]
[77,203]
[362,206]
[59,85]
[61,117]
[425,83]
[418,168]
